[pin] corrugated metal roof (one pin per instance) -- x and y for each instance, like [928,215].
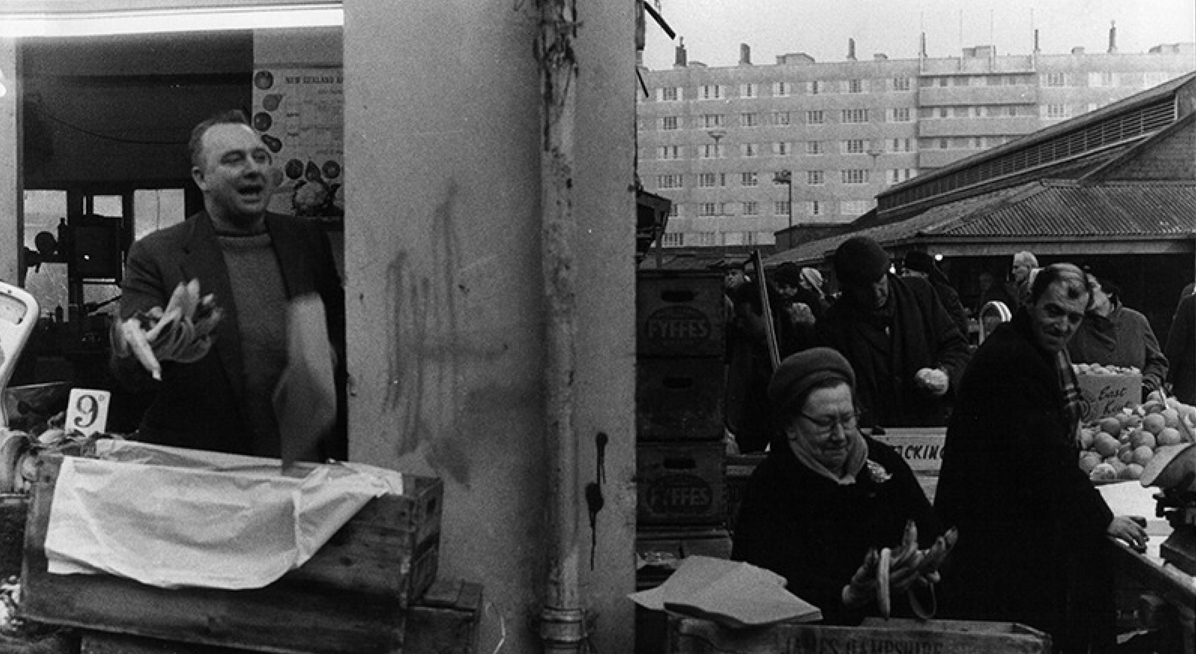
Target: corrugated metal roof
[1037,210]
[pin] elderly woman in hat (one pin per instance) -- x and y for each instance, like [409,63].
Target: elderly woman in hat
[830,508]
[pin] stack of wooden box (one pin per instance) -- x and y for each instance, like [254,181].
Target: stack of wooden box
[680,452]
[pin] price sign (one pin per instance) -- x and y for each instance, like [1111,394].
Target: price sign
[87,411]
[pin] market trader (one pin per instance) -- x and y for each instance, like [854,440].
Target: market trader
[1032,527]
[907,354]
[217,392]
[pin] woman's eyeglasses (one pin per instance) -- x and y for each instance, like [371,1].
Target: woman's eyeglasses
[825,425]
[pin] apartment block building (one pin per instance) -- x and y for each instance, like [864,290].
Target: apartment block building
[745,151]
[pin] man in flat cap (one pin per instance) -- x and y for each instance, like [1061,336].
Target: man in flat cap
[907,354]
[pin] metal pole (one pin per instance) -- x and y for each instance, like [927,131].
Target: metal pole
[790,212]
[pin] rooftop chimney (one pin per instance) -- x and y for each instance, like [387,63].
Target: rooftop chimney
[851,49]
[1036,41]
[745,55]
[1078,50]
[879,56]
[679,58]
[922,46]
[1112,37]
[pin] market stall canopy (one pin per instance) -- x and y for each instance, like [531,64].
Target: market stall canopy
[1117,180]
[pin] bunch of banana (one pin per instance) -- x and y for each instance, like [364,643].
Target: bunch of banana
[19,453]
[180,332]
[910,563]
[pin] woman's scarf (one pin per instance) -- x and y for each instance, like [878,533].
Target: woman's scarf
[857,455]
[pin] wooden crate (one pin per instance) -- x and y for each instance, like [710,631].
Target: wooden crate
[680,313]
[694,636]
[350,598]
[681,483]
[679,399]
[444,621]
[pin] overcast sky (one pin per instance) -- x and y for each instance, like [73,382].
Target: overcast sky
[713,29]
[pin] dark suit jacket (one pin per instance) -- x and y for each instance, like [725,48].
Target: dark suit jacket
[200,405]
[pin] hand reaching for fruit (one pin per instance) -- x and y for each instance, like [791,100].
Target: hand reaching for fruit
[182,332]
[933,380]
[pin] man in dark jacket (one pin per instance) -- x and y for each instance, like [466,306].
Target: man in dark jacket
[921,264]
[219,393]
[907,354]
[1032,527]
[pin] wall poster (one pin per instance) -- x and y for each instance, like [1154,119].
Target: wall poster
[299,113]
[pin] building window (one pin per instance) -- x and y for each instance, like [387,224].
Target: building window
[1056,111]
[751,208]
[713,120]
[749,179]
[815,87]
[961,112]
[780,118]
[706,238]
[669,94]
[855,115]
[855,86]
[749,149]
[977,142]
[853,146]
[900,115]
[814,147]
[707,180]
[815,207]
[669,123]
[670,152]
[902,145]
[749,90]
[944,112]
[1105,78]
[668,181]
[708,209]
[710,151]
[901,84]
[1056,79]
[814,177]
[672,239]
[751,238]
[854,207]
[943,82]
[815,117]
[854,176]
[943,144]
[782,89]
[1154,78]
[749,120]
[712,92]
[781,148]
[675,210]
[780,208]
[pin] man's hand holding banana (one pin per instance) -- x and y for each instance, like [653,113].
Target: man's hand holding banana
[181,332]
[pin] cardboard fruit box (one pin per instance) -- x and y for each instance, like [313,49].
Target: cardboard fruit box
[351,597]
[1105,394]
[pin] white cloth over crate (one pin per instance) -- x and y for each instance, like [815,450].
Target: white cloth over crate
[172,517]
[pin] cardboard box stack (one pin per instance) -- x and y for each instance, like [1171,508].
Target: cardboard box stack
[680,454]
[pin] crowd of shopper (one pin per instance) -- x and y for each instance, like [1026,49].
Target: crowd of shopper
[1016,531]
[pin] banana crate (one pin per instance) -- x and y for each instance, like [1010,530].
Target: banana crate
[695,636]
[352,597]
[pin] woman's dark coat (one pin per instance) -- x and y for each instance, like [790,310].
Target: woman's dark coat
[815,533]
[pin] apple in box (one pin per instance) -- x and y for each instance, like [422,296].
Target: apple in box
[1105,390]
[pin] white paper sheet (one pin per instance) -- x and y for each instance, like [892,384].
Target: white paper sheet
[171,518]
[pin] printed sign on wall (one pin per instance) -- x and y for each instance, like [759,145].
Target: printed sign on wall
[299,113]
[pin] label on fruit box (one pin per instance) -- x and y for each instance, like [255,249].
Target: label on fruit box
[923,452]
[1104,395]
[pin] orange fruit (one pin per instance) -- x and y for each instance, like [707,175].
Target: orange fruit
[1142,455]
[1111,426]
[1132,471]
[1170,436]
[1144,438]
[1089,460]
[1105,444]
[1154,423]
[1170,417]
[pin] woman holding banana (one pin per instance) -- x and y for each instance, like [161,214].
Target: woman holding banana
[836,513]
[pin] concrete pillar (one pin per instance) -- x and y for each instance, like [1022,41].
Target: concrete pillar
[446,294]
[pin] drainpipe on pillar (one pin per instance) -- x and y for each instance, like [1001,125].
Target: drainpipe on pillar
[562,628]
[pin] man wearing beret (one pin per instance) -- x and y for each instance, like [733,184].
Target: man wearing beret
[907,354]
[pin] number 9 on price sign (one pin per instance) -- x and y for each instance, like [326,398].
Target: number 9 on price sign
[87,411]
